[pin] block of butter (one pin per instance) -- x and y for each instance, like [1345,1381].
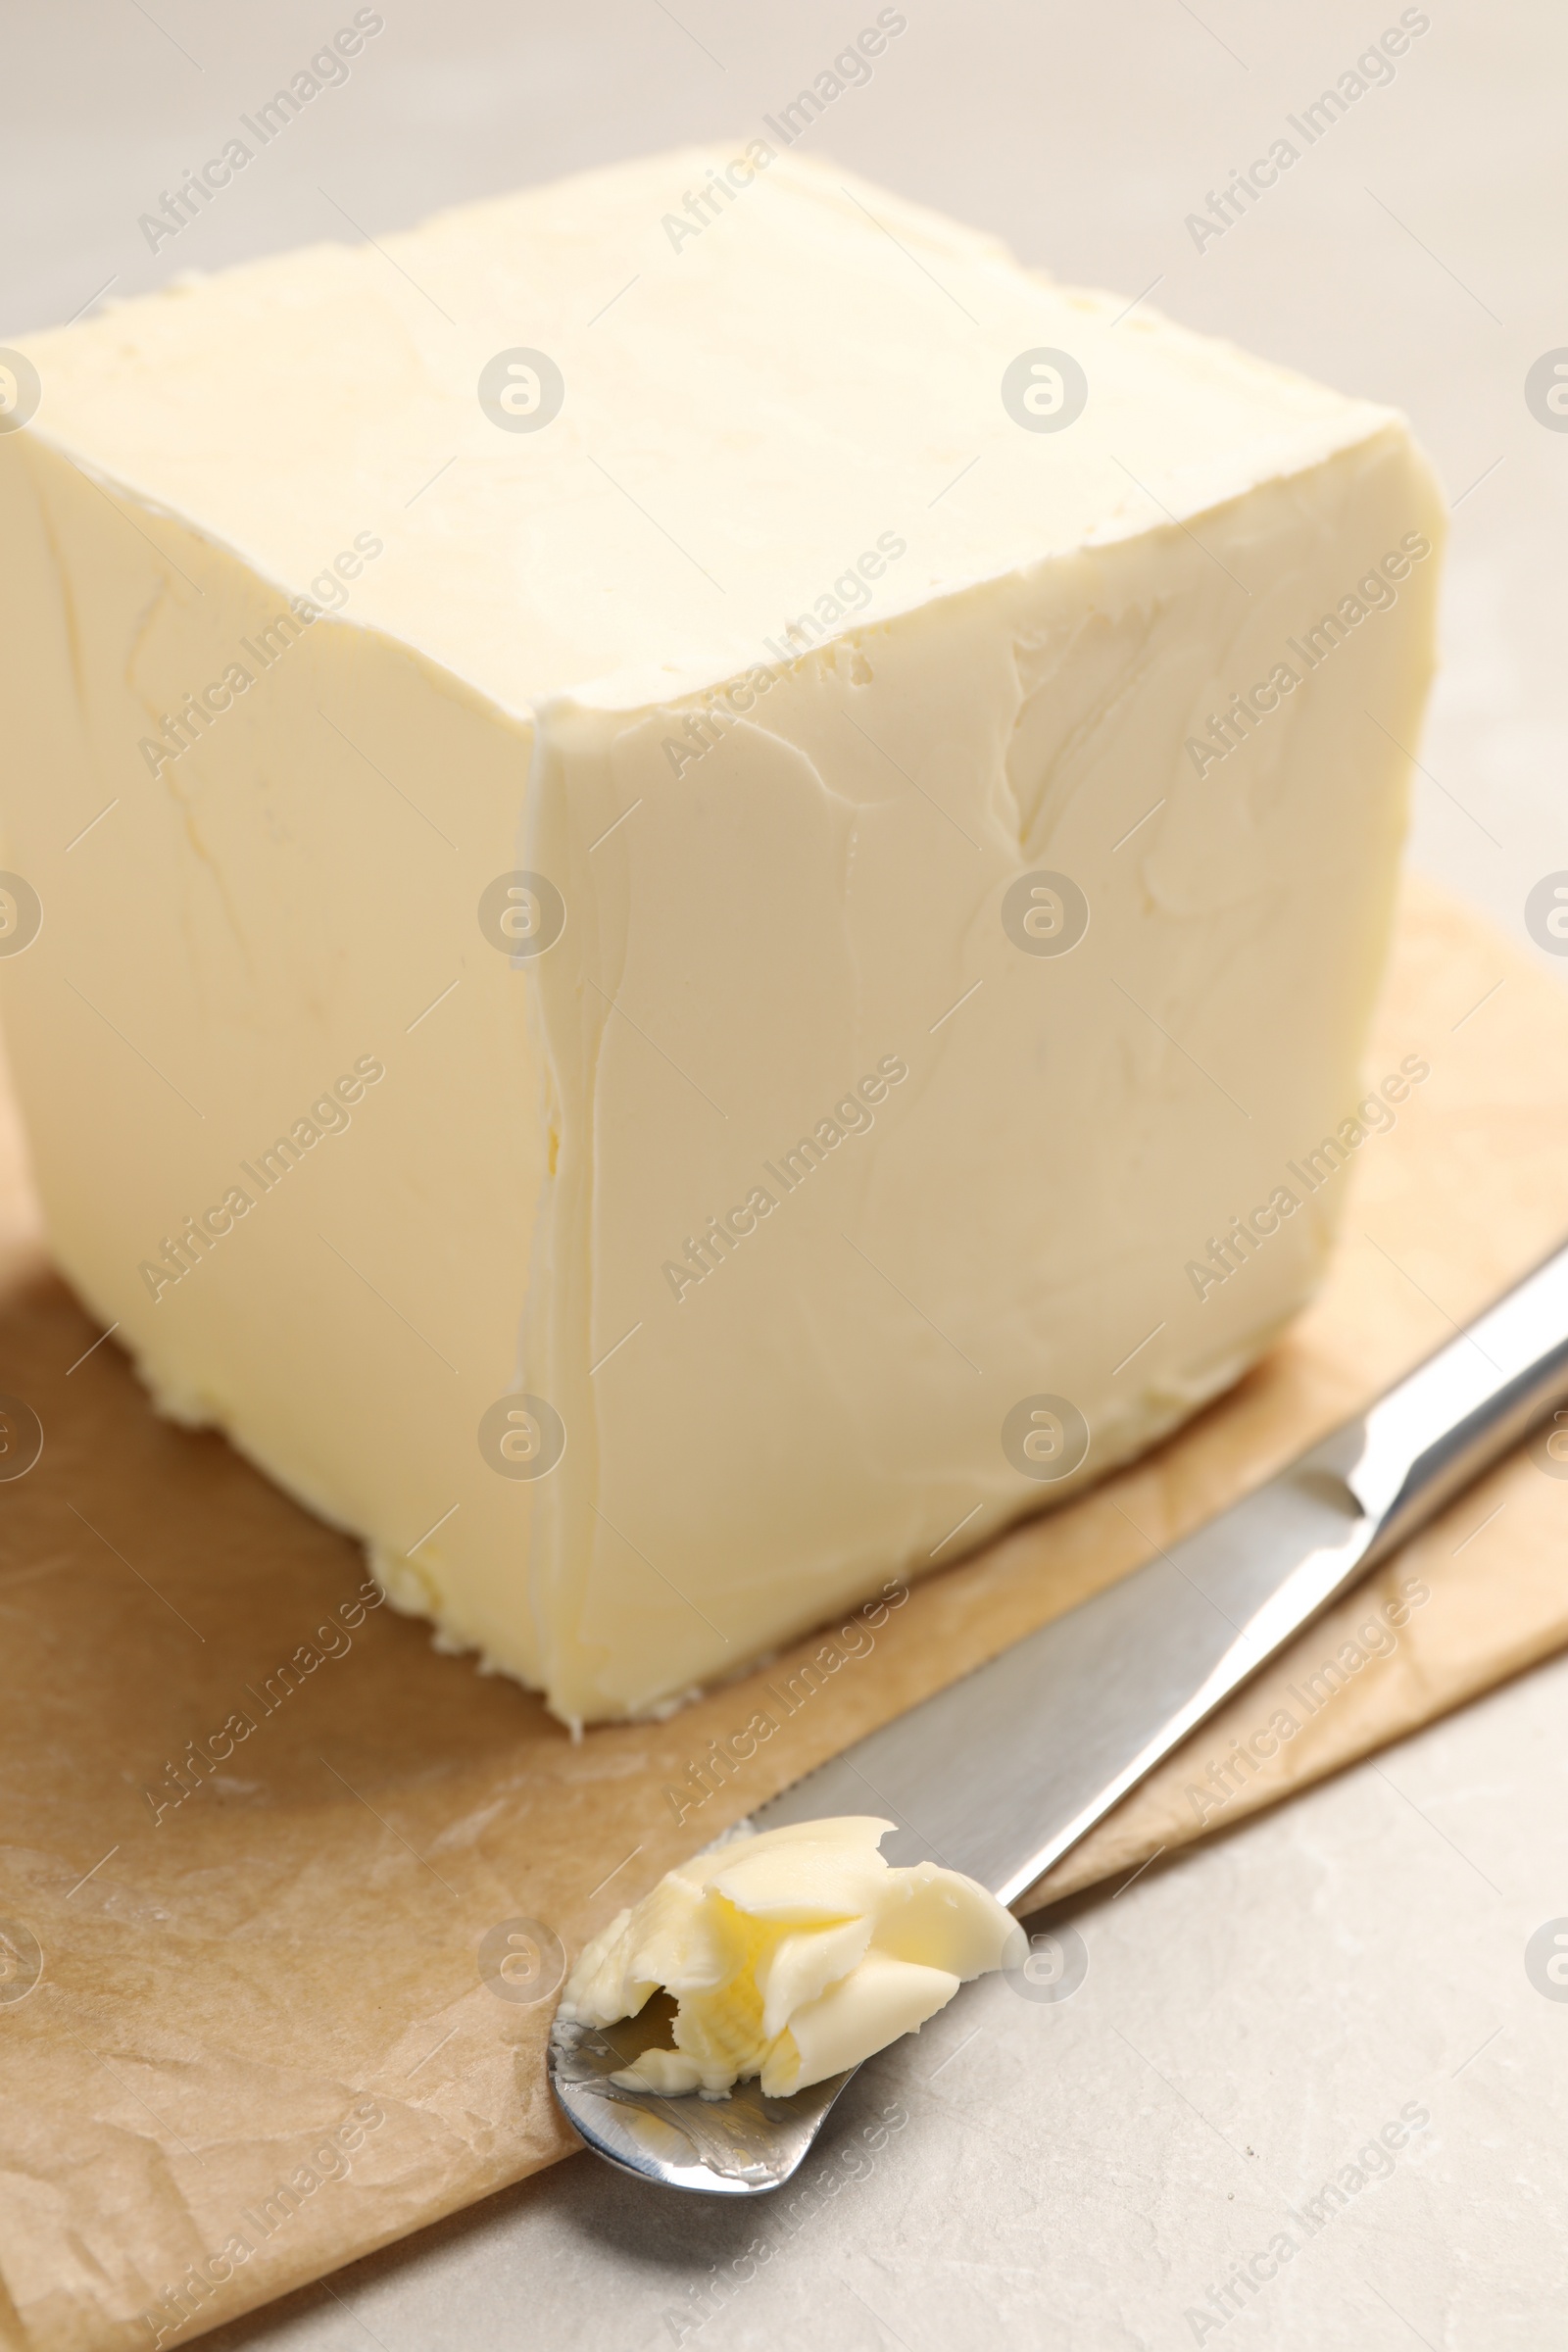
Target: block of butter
[691,876]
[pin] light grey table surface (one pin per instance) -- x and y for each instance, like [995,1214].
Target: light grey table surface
[1083,2173]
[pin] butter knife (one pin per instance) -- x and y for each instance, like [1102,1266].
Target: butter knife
[1002,1771]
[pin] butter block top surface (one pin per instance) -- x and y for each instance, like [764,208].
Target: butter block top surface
[747,406]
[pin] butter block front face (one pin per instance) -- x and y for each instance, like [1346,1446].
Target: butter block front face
[837,1088]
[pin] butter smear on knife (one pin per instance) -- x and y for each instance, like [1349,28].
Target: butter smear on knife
[790,1955]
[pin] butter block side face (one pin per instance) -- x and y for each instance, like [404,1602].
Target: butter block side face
[953,950]
[304,1200]
[891,1173]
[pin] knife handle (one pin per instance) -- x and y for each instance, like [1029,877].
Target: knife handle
[1456,1413]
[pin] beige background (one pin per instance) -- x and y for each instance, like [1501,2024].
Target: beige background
[1253,2013]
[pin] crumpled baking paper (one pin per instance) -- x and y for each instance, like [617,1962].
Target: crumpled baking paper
[285,1893]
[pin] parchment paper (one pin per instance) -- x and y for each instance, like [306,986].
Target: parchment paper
[278,2021]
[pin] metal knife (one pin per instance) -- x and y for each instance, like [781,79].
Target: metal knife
[1004,1770]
